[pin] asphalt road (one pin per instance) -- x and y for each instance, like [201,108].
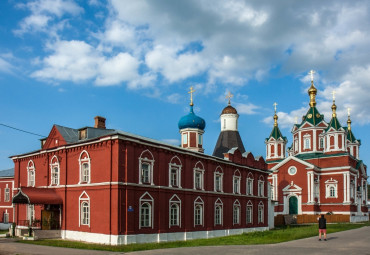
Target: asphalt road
[347,242]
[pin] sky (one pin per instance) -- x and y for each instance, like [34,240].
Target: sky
[66,61]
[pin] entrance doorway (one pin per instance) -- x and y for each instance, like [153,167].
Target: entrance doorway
[293,205]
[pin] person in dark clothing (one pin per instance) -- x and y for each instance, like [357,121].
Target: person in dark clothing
[322,227]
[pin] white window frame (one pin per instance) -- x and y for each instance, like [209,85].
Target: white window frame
[218,207]
[198,202]
[321,143]
[7,194]
[177,167]
[329,184]
[261,186]
[30,213]
[199,171]
[261,213]
[249,212]
[296,145]
[249,185]
[236,182]
[150,163]
[31,174]
[174,220]
[85,174]
[307,142]
[218,174]
[54,175]
[236,213]
[83,199]
[146,198]
[185,138]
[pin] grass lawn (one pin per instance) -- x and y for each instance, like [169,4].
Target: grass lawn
[282,234]
[4,231]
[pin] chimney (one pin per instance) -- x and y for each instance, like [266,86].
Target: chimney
[99,122]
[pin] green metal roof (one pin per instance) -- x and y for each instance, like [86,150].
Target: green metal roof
[312,116]
[334,123]
[275,133]
[350,136]
[319,155]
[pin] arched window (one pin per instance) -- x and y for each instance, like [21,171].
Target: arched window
[321,143]
[261,212]
[146,162]
[236,182]
[54,166]
[331,188]
[236,213]
[198,211]
[218,212]
[85,213]
[145,215]
[146,203]
[85,171]
[249,212]
[31,174]
[175,172]
[218,179]
[175,211]
[250,184]
[307,143]
[261,186]
[199,176]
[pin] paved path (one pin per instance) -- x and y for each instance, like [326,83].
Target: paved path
[347,242]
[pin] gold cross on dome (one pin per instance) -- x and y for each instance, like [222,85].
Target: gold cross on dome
[312,72]
[229,96]
[333,93]
[296,119]
[191,94]
[275,104]
[349,111]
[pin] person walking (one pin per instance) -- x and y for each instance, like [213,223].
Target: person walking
[322,227]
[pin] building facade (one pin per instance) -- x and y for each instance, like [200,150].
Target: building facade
[6,195]
[323,172]
[107,186]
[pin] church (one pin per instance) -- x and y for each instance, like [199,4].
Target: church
[323,172]
[108,186]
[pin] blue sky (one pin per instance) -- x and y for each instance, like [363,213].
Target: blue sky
[64,62]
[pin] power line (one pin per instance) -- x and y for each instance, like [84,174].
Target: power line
[21,130]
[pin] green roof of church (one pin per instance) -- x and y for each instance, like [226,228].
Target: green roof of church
[334,123]
[276,134]
[313,116]
[350,136]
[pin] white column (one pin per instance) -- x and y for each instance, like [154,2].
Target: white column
[345,184]
[314,140]
[299,142]
[309,188]
[275,150]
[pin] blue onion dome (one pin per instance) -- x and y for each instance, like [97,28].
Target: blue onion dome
[192,121]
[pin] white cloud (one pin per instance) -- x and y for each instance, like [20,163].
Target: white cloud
[5,66]
[117,69]
[287,120]
[175,142]
[43,11]
[246,108]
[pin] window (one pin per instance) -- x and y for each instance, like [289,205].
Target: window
[174,216]
[261,187]
[84,161]
[30,213]
[307,143]
[31,174]
[200,138]
[352,189]
[331,188]
[218,212]
[321,143]
[146,162]
[84,207]
[174,177]
[175,172]
[218,179]
[224,123]
[185,138]
[145,215]
[260,212]
[296,145]
[249,212]
[6,217]
[198,176]
[175,211]
[292,170]
[7,194]
[236,213]
[236,182]
[198,212]
[85,213]
[54,165]
[250,185]
[146,203]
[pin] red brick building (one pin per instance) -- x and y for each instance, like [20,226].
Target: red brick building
[6,195]
[107,186]
[323,172]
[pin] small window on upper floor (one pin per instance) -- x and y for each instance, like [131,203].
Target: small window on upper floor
[307,143]
[146,162]
[55,173]
[85,171]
